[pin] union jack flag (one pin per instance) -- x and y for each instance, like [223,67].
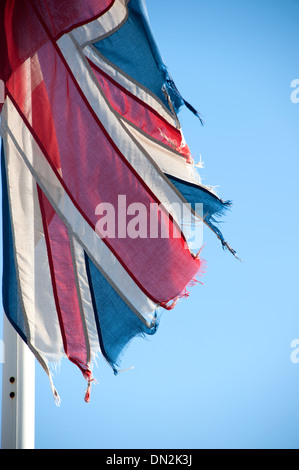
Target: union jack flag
[91,117]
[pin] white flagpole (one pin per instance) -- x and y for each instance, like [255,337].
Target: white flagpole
[18,392]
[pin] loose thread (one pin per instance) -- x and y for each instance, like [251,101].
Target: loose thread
[90,380]
[56,396]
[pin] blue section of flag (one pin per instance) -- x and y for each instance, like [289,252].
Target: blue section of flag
[133,49]
[116,323]
[10,294]
[213,207]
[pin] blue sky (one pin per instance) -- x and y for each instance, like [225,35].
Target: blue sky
[218,373]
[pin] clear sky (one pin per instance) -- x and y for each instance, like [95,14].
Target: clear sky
[218,373]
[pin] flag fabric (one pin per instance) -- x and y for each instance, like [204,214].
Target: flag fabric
[90,128]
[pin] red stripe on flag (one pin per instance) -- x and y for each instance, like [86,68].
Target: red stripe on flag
[140,113]
[24,22]
[69,15]
[64,286]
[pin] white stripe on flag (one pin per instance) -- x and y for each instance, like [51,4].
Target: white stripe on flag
[32,266]
[169,162]
[85,296]
[104,25]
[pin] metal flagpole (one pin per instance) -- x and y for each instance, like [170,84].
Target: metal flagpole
[18,392]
